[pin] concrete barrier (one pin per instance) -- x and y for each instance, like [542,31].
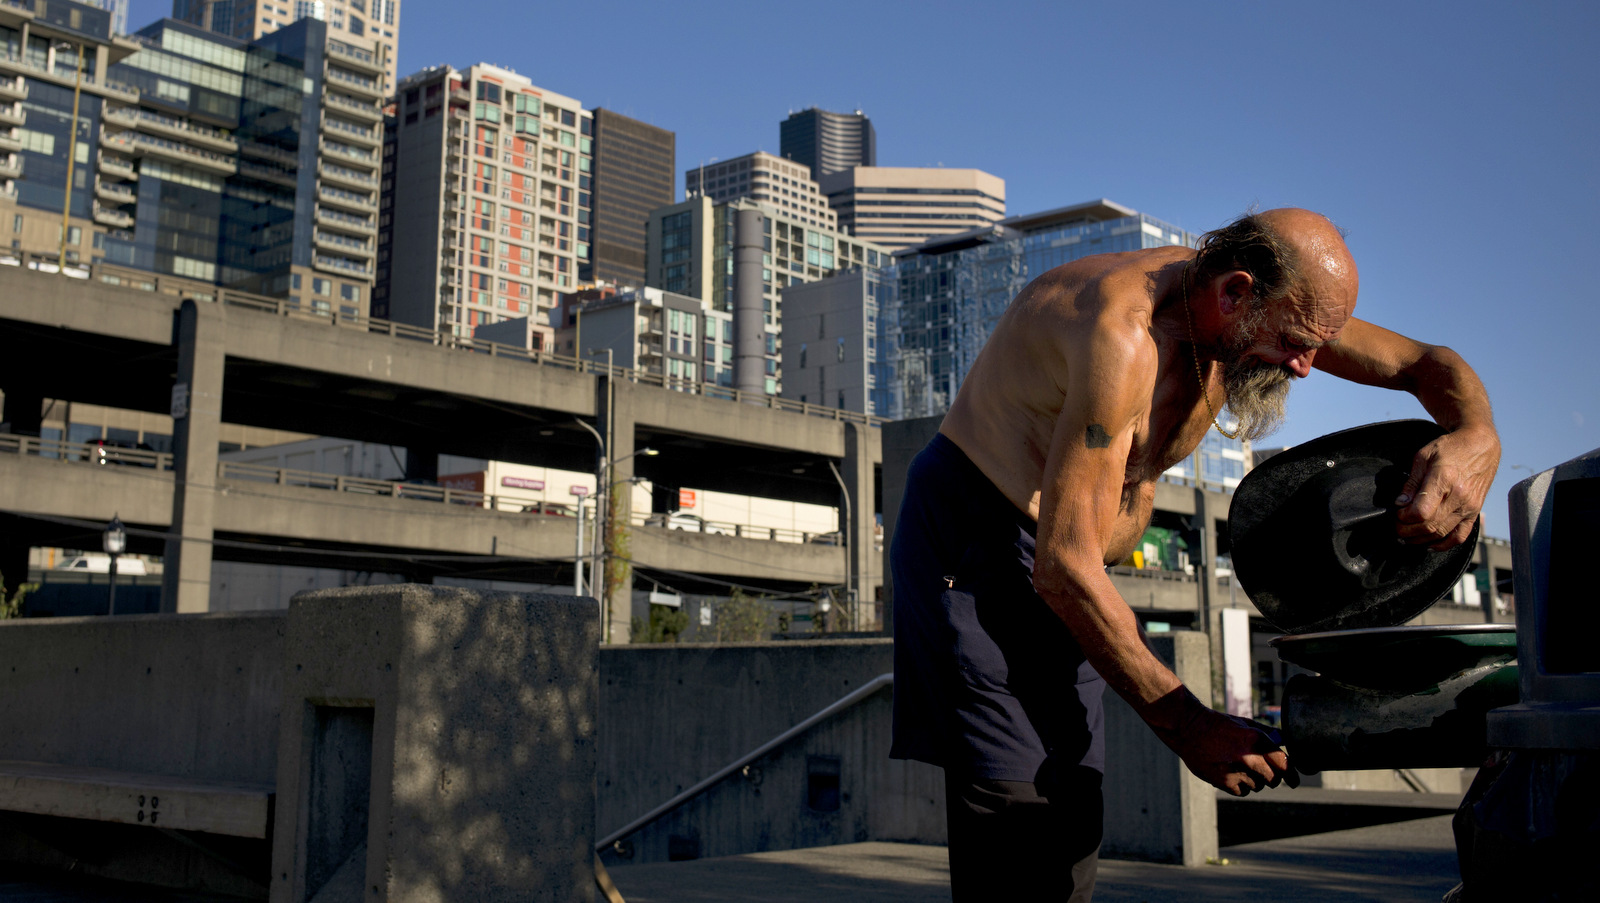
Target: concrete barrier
[438,743]
[671,715]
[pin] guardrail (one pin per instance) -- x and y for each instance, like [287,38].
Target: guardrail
[97,453]
[282,307]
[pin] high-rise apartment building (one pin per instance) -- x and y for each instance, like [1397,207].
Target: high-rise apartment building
[673,336]
[898,206]
[770,180]
[737,256]
[250,164]
[633,166]
[827,142]
[832,341]
[371,24]
[486,200]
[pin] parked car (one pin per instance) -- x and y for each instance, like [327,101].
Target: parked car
[693,523]
[555,509]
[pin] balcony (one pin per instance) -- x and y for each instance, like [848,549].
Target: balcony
[338,220]
[118,167]
[266,173]
[356,57]
[157,124]
[12,114]
[8,192]
[341,151]
[141,144]
[342,265]
[349,200]
[10,166]
[117,218]
[9,141]
[349,131]
[114,193]
[353,107]
[353,83]
[13,64]
[342,244]
[13,88]
[333,172]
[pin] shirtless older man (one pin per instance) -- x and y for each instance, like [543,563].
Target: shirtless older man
[1102,374]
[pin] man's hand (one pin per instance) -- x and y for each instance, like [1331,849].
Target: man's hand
[1230,753]
[1449,479]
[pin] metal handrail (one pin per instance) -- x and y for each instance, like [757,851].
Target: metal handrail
[844,702]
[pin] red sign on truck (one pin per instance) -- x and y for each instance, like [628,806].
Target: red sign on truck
[685,498]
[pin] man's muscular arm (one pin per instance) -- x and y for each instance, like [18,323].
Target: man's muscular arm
[1085,504]
[1450,476]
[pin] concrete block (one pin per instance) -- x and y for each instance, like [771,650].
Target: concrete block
[1155,809]
[130,798]
[438,742]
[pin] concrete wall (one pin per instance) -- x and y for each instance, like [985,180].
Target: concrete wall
[672,715]
[186,695]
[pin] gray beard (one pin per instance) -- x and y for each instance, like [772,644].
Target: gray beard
[1257,393]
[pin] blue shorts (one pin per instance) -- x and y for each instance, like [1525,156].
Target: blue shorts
[989,683]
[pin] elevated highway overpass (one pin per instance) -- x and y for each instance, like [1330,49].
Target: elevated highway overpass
[131,340]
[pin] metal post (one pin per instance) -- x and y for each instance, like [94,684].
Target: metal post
[111,589]
[845,528]
[577,559]
[72,156]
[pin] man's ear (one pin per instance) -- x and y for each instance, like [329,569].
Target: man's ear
[1233,290]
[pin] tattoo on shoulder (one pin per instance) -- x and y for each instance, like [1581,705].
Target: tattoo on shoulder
[1097,437]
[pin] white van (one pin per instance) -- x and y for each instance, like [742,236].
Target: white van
[101,564]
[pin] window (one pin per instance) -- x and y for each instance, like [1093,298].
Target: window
[321,286]
[841,349]
[802,356]
[349,293]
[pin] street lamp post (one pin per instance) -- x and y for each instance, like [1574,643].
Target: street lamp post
[72,157]
[115,542]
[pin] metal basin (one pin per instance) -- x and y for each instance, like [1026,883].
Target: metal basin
[1400,659]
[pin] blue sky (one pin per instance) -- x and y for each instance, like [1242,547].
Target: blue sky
[1459,143]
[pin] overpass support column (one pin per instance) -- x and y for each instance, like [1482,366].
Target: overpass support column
[616,407]
[863,455]
[197,427]
[24,410]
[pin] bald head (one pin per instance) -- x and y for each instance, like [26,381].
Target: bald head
[1289,253]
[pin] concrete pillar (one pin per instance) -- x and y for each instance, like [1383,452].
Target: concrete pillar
[422,465]
[436,744]
[863,453]
[616,406]
[24,410]
[1204,561]
[13,557]
[1154,808]
[749,317]
[196,430]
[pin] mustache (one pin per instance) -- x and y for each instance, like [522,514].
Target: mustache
[1258,395]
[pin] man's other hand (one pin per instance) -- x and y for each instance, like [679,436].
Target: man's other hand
[1442,497]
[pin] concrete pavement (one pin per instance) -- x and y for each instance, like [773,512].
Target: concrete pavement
[1408,862]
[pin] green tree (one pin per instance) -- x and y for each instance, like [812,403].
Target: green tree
[741,618]
[665,626]
[11,603]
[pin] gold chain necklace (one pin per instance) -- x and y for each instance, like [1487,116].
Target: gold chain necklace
[1205,393]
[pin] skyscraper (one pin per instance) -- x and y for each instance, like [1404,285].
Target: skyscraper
[762,177]
[633,166]
[828,142]
[898,206]
[737,256]
[249,164]
[372,24]
[486,201]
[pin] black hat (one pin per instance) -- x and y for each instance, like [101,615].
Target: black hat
[1313,533]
